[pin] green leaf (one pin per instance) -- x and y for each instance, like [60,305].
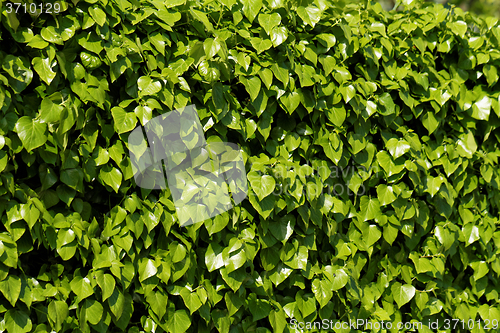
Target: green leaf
[107,284]
[259,308]
[32,132]
[260,45]
[251,8]
[322,290]
[17,321]
[191,300]
[262,185]
[158,302]
[340,279]
[279,35]
[91,311]
[213,257]
[481,108]
[143,113]
[90,61]
[310,15]
[58,312]
[369,208]
[491,73]
[397,147]
[348,91]
[459,28]
[123,121]
[252,86]
[269,21]
[211,47]
[50,35]
[65,236]
[11,288]
[178,321]
[466,145]
[291,101]
[371,235]
[44,68]
[402,293]
[385,194]
[337,115]
[20,74]
[147,86]
[147,269]
[111,176]
[471,233]
[98,15]
[81,287]
[50,112]
[429,121]
[387,103]
[117,302]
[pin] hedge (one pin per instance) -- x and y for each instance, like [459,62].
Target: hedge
[370,141]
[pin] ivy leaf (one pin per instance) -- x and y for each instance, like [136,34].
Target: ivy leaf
[481,108]
[402,293]
[278,35]
[58,312]
[178,321]
[397,148]
[310,15]
[111,176]
[91,311]
[213,257]
[107,284]
[322,291]
[20,74]
[123,121]
[369,208]
[147,86]
[17,321]
[81,287]
[260,45]
[98,15]
[385,194]
[147,269]
[262,185]
[11,288]
[32,132]
[211,47]
[269,21]
[387,103]
[252,86]
[340,279]
[251,8]
[44,68]
[50,112]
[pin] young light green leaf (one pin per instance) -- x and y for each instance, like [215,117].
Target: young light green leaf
[262,185]
[44,68]
[402,293]
[11,288]
[310,14]
[252,86]
[32,132]
[111,176]
[269,21]
[397,147]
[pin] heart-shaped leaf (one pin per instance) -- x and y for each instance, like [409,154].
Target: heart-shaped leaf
[262,185]
[32,132]
[269,21]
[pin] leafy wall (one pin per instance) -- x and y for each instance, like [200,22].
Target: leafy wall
[371,143]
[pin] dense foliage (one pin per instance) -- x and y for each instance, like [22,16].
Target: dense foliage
[371,146]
